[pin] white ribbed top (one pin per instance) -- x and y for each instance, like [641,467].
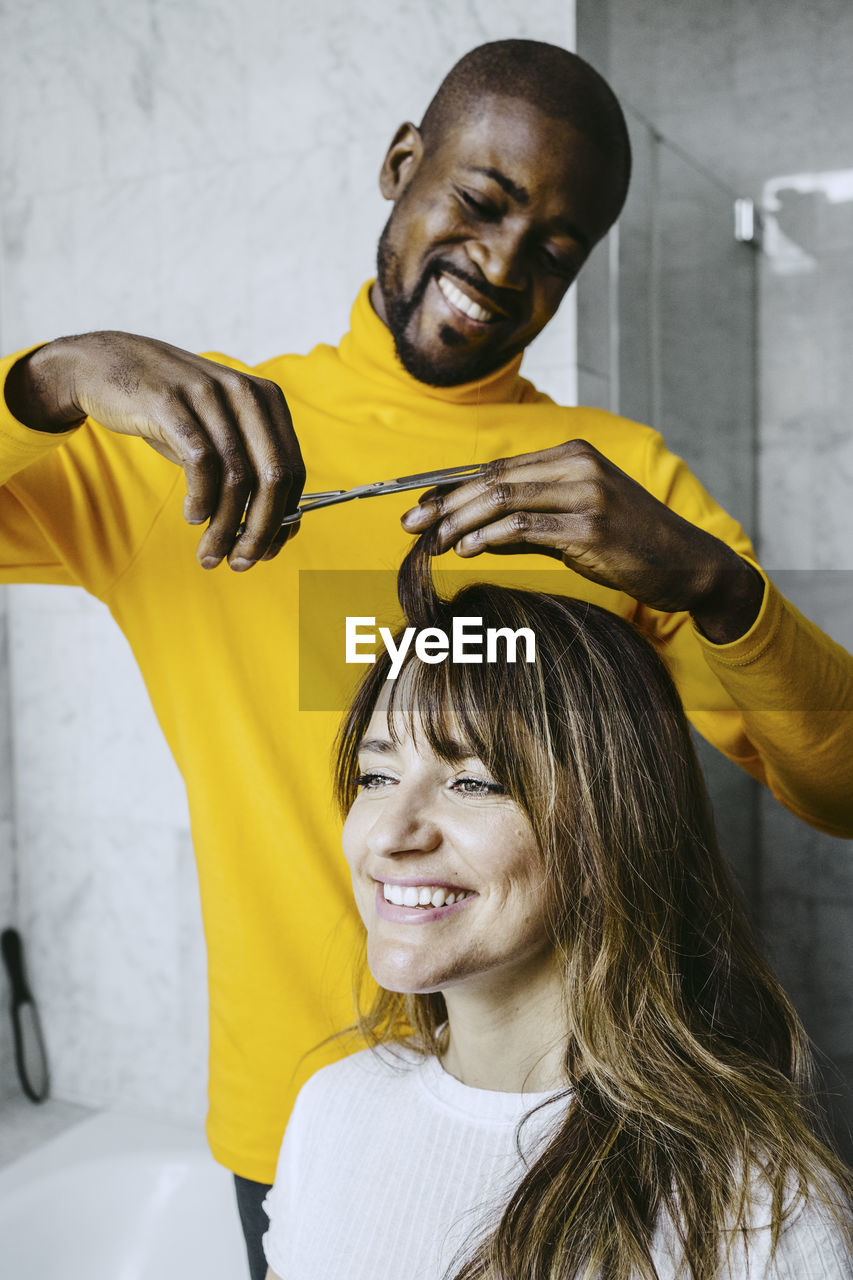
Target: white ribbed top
[389,1166]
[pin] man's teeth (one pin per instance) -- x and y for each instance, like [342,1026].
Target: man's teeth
[462,301]
[425,895]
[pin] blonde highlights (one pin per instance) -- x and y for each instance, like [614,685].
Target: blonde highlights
[690,1072]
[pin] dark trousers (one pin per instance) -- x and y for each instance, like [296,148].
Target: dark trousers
[255,1222]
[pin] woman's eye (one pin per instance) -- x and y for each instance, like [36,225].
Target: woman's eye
[478,787]
[372,781]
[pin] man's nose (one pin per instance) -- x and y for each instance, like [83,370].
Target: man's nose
[405,823]
[499,252]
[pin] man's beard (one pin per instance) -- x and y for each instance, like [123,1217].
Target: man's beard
[400,309]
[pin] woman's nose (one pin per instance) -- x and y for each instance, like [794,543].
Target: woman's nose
[404,823]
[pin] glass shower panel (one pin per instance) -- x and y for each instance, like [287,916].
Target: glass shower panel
[685,363]
[687,320]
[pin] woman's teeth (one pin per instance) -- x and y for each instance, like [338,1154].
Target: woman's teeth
[463,302]
[422,895]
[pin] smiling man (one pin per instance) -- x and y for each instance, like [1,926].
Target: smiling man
[517,170]
[542,165]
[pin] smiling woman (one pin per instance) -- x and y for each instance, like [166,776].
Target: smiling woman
[433,838]
[580,1063]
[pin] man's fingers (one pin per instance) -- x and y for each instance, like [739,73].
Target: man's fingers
[263,517]
[214,454]
[574,460]
[222,532]
[503,498]
[534,530]
[284,535]
[188,444]
[243,467]
[287,446]
[527,549]
[271,445]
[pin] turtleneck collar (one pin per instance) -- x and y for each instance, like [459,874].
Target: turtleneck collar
[368,349]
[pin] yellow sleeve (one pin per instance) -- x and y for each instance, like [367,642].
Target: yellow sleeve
[794,688]
[77,506]
[778,700]
[20,445]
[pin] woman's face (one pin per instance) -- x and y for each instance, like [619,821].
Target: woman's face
[422,829]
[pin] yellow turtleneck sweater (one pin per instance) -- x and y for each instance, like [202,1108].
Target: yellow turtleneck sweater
[251,728]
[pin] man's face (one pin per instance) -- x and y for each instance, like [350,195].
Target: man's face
[487,233]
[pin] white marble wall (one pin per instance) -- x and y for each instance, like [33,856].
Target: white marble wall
[7,849]
[204,171]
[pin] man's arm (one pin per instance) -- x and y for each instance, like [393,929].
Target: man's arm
[230,431]
[757,678]
[572,502]
[793,687]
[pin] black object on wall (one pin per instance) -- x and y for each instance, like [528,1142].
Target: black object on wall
[30,1053]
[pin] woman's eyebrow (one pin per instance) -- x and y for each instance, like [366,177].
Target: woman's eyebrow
[375,745]
[455,751]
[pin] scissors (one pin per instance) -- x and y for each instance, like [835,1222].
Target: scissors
[423,480]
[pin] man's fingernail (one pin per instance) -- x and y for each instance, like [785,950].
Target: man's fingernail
[416,516]
[239,565]
[192,515]
[210,562]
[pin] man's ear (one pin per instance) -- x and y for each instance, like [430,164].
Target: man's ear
[401,161]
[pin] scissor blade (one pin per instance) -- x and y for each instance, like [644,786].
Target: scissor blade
[421,480]
[433,477]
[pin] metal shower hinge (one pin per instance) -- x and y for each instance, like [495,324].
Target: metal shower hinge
[747,219]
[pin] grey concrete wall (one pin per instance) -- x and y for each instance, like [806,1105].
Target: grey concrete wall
[760,93]
[666,305]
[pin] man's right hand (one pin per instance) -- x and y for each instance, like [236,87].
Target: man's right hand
[230,432]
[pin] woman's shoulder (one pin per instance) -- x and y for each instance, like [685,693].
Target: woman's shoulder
[815,1240]
[816,1236]
[371,1072]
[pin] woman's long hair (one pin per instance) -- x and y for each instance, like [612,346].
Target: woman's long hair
[690,1072]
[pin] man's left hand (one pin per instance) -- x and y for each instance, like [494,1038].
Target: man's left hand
[573,503]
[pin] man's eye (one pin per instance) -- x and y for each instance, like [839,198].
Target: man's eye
[478,787]
[481,208]
[560,266]
[372,781]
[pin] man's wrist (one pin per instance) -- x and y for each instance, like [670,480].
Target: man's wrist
[730,606]
[38,390]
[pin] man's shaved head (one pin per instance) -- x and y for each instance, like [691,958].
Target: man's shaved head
[517,170]
[558,83]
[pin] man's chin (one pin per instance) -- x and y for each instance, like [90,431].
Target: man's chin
[450,366]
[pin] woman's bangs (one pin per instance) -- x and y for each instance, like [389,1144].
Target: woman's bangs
[441,704]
